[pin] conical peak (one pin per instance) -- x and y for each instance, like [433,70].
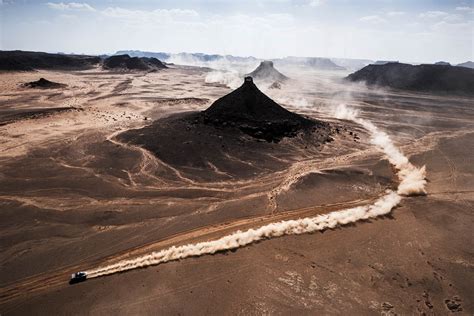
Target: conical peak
[267,63]
[254,113]
[248,103]
[266,71]
[249,84]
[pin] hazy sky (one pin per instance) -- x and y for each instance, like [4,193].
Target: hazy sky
[405,30]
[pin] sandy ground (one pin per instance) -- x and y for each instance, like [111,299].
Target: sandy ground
[72,197]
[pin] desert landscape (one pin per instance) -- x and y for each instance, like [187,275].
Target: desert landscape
[164,182]
[78,192]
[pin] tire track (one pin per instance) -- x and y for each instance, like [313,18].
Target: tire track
[49,281]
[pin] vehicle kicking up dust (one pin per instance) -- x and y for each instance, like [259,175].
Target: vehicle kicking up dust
[208,158]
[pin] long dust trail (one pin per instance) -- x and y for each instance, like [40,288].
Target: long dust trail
[412,182]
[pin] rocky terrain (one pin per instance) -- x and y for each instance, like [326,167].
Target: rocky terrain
[28,61]
[43,84]
[425,78]
[125,62]
[255,114]
[243,121]
[121,163]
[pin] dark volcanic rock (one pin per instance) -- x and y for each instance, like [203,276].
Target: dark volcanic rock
[28,61]
[228,139]
[125,62]
[205,151]
[154,62]
[266,71]
[255,114]
[454,305]
[44,84]
[428,78]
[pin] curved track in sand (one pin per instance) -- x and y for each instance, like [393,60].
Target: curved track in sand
[56,279]
[53,280]
[412,182]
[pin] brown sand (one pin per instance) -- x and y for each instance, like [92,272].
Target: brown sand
[73,196]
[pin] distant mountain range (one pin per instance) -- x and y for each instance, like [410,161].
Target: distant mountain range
[320,63]
[138,53]
[352,64]
[308,62]
[25,61]
[201,59]
[187,58]
[383,62]
[467,64]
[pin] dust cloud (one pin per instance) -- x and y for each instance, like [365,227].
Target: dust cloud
[412,181]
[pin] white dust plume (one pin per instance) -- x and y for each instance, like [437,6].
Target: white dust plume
[412,181]
[239,239]
[224,70]
[231,79]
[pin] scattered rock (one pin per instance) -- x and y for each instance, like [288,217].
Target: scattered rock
[426,296]
[454,304]
[386,306]
[44,84]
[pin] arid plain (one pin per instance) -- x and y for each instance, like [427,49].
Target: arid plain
[75,195]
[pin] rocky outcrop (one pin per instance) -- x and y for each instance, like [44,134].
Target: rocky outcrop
[43,84]
[267,72]
[425,78]
[255,114]
[29,61]
[125,62]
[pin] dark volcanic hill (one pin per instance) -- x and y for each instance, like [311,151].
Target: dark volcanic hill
[427,78]
[266,71]
[28,61]
[43,84]
[238,136]
[255,114]
[125,62]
